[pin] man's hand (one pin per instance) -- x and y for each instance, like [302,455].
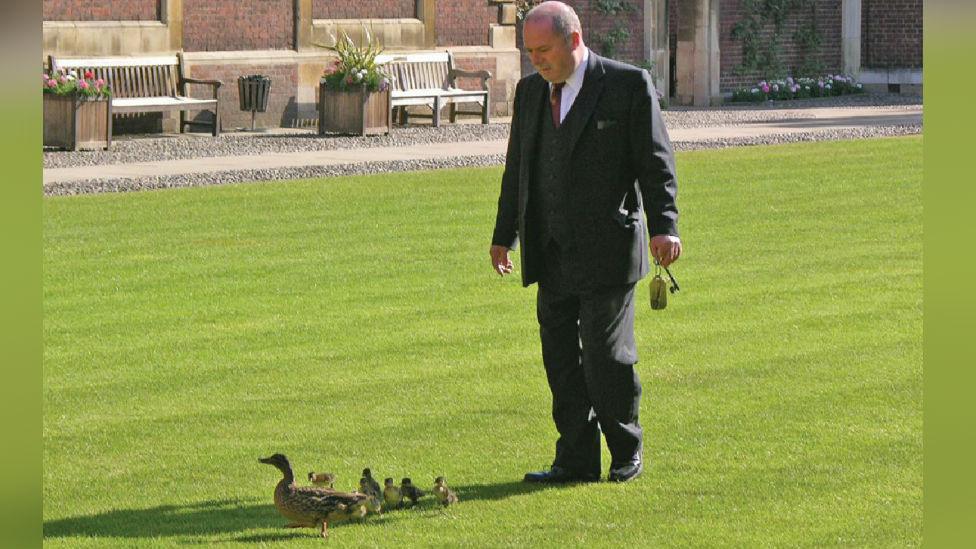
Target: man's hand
[665,248]
[500,261]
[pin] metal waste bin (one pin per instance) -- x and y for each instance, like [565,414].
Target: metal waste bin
[254,91]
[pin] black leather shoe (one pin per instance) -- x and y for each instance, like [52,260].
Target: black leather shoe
[627,471]
[558,475]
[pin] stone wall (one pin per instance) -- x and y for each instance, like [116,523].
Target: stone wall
[364,9]
[891,34]
[228,25]
[100,10]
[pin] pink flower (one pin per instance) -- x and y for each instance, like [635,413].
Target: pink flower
[52,83]
[83,84]
[765,87]
[100,83]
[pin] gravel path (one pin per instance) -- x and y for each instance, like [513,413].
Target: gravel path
[170,147]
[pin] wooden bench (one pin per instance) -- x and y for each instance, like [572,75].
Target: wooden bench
[146,84]
[430,79]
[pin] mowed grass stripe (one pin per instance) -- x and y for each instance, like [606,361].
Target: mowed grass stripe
[355,322]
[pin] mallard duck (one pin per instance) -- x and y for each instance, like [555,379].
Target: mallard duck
[323,480]
[368,485]
[392,496]
[410,491]
[444,494]
[310,507]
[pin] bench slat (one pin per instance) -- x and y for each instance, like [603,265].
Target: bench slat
[75,63]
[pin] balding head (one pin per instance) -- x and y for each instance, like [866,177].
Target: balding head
[563,19]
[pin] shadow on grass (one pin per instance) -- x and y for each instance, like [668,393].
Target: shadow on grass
[207,518]
[230,516]
[501,490]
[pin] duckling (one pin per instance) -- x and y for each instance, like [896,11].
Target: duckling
[368,485]
[374,505]
[443,493]
[410,491]
[391,494]
[307,506]
[322,480]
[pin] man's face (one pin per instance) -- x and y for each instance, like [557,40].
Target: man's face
[548,51]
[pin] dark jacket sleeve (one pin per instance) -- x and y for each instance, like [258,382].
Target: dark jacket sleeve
[651,153]
[506,220]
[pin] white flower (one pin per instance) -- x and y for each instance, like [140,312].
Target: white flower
[755,90]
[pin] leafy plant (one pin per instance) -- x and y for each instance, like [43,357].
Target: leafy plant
[760,31]
[613,7]
[522,7]
[611,40]
[356,66]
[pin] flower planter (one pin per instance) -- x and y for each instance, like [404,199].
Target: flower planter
[358,112]
[76,122]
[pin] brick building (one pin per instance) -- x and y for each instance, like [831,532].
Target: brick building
[688,43]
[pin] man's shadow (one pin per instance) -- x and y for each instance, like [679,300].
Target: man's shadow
[503,490]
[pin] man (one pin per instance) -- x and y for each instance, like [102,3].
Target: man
[587,154]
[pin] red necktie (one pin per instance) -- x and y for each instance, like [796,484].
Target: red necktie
[555,99]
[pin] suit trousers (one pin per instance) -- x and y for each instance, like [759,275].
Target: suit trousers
[589,352]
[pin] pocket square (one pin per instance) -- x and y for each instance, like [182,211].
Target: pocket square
[604,124]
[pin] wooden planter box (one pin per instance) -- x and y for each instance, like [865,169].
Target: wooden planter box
[76,122]
[355,112]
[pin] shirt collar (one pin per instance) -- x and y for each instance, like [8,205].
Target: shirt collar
[575,80]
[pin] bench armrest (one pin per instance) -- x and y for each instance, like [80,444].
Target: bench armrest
[215,83]
[454,74]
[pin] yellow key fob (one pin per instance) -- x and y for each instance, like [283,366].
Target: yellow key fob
[659,293]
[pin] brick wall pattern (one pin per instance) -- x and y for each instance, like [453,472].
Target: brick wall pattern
[597,25]
[282,109]
[100,10]
[827,15]
[364,9]
[464,22]
[228,25]
[891,34]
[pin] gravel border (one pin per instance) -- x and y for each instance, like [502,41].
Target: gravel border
[92,186]
[128,149]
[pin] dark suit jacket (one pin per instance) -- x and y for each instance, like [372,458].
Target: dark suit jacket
[621,163]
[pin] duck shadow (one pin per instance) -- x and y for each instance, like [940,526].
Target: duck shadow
[234,516]
[202,518]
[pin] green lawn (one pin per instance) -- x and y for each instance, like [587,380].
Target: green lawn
[356,322]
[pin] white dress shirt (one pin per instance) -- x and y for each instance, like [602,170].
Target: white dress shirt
[572,87]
